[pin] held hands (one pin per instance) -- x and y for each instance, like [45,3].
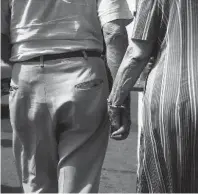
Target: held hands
[119,120]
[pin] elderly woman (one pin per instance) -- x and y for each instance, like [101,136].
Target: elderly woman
[168,31]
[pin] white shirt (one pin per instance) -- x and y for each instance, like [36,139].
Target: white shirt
[38,27]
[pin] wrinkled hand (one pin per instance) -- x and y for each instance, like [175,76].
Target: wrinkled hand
[119,121]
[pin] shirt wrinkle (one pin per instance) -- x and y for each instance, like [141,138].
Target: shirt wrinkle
[70,21]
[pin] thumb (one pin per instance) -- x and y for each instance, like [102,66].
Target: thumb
[118,132]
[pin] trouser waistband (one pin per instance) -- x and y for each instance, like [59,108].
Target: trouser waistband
[84,54]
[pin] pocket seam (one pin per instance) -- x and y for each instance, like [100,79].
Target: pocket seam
[89,85]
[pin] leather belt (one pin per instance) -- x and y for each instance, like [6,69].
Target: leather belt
[49,57]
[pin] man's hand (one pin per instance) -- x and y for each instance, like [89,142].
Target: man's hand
[120,121]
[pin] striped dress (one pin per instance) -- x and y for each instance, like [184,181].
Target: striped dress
[168,150]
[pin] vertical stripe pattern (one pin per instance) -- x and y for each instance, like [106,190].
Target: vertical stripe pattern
[168,150]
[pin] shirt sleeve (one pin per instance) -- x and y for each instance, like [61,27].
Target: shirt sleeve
[109,10]
[5,17]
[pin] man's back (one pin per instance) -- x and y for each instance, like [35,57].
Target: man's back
[57,26]
[51,26]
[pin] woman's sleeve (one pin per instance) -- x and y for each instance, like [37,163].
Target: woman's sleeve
[141,48]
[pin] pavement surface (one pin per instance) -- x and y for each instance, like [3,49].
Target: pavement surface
[119,169]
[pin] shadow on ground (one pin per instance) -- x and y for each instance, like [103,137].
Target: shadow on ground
[6,143]
[5,114]
[8,189]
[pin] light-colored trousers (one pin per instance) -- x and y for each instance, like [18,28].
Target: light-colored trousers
[60,127]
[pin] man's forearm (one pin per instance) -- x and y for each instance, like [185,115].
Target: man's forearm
[116,41]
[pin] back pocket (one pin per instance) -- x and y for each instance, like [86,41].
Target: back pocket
[92,84]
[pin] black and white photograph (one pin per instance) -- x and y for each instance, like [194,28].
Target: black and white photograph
[99,96]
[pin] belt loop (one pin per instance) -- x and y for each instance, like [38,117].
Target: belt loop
[41,61]
[85,55]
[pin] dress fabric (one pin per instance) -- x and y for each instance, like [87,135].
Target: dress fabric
[168,150]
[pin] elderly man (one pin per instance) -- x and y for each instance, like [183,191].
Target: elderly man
[59,88]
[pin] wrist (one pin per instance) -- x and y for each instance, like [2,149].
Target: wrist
[114,106]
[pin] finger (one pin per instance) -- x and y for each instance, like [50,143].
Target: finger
[119,137]
[112,129]
[116,122]
[121,134]
[125,116]
[120,131]
[126,121]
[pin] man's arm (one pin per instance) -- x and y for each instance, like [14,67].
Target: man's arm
[116,42]
[114,15]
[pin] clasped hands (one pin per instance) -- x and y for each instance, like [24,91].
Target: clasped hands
[120,121]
